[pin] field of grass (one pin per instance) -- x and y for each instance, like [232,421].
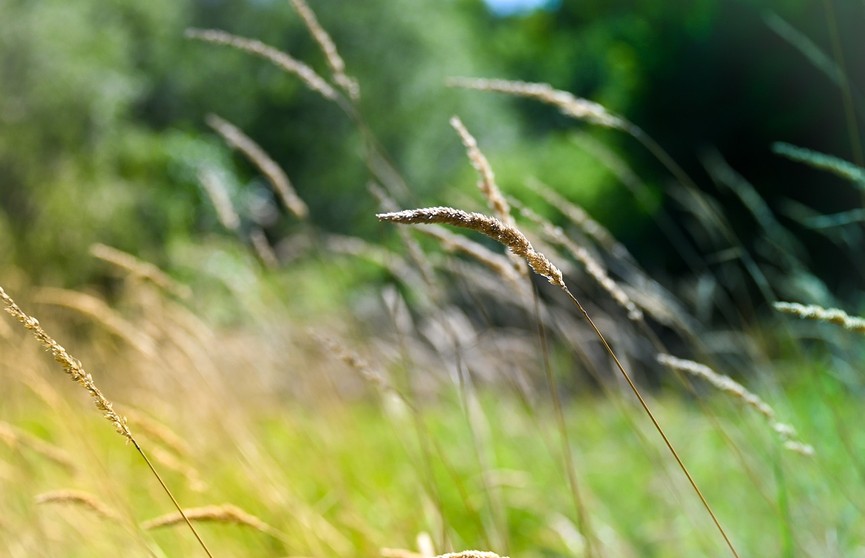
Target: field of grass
[322,456]
[519,387]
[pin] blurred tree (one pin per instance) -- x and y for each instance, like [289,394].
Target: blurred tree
[696,76]
[102,107]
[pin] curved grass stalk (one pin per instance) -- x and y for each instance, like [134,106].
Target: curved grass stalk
[76,372]
[518,244]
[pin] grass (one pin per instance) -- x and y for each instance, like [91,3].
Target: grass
[453,402]
[349,478]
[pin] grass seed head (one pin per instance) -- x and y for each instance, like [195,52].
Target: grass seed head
[504,234]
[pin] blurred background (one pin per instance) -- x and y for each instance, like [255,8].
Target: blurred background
[102,108]
[362,389]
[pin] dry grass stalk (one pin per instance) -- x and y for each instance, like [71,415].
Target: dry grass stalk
[519,245]
[80,499]
[140,269]
[487,183]
[102,314]
[592,265]
[415,251]
[818,313]
[360,365]
[225,513]
[822,161]
[158,432]
[478,252]
[291,65]
[579,217]
[575,107]
[13,437]
[579,109]
[507,235]
[334,60]
[731,387]
[268,167]
[390,261]
[353,360]
[76,372]
[70,365]
[218,194]
[262,248]
[43,389]
[171,462]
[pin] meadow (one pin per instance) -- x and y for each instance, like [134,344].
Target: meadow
[496,372]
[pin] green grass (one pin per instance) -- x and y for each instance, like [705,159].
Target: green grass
[351,477]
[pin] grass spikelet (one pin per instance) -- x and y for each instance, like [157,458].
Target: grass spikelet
[579,109]
[80,499]
[580,218]
[225,513]
[334,60]
[822,161]
[140,269]
[71,366]
[517,243]
[76,373]
[262,248]
[478,252]
[383,257]
[218,194]
[158,432]
[592,265]
[268,167]
[16,437]
[487,183]
[731,387]
[415,251]
[818,313]
[806,47]
[352,360]
[170,462]
[281,59]
[570,105]
[102,314]
[507,235]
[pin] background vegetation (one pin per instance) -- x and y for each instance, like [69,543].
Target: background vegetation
[356,391]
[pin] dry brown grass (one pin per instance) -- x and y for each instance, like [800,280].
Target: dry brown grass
[15,438]
[224,513]
[102,314]
[71,366]
[331,54]
[284,61]
[76,373]
[140,269]
[79,499]
[820,314]
[519,245]
[508,236]
[235,137]
[731,387]
[570,105]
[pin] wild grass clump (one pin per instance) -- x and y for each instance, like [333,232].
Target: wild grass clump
[458,445]
[76,373]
